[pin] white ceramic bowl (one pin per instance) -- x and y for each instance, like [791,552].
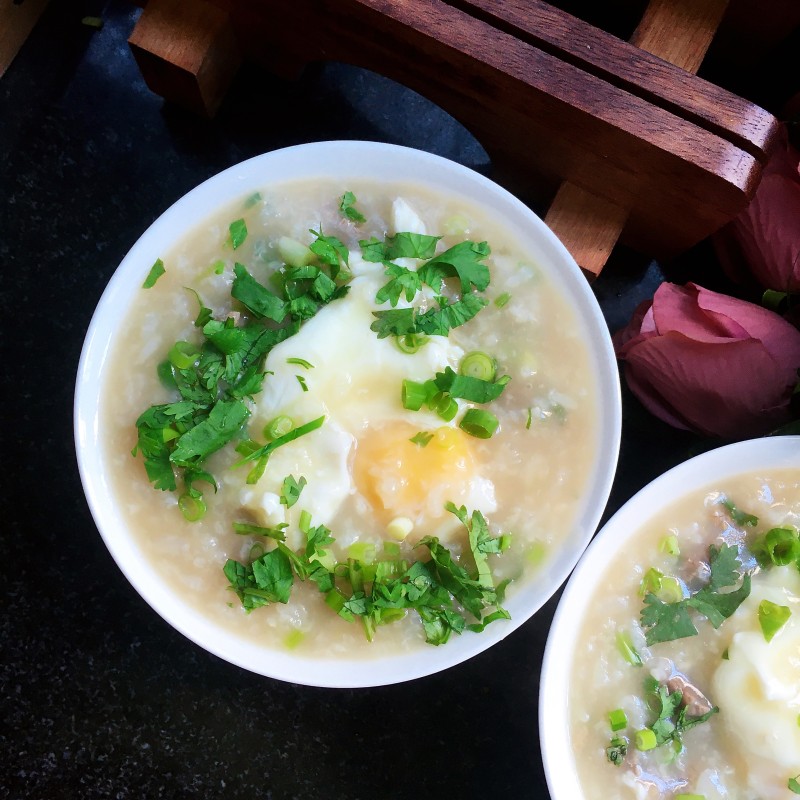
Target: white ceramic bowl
[347,160]
[712,467]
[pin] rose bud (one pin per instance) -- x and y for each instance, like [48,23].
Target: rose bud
[709,363]
[764,239]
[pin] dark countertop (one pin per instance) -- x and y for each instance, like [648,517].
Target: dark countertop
[98,696]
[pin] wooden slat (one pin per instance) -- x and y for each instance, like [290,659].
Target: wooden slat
[637,67]
[16,23]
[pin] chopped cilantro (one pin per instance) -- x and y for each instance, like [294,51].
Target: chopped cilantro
[291,489]
[772,617]
[462,260]
[664,622]
[301,362]
[255,297]
[204,314]
[238,233]
[348,209]
[468,388]
[403,281]
[156,271]
[738,516]
[793,784]
[434,322]
[330,251]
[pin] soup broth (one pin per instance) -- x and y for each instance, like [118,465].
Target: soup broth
[375,473]
[742,677]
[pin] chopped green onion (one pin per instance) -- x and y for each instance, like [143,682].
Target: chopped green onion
[252,200]
[300,362]
[293,638]
[617,750]
[422,438]
[192,507]
[410,342]
[685,796]
[617,719]
[218,266]
[391,548]
[238,232]
[156,271]
[254,476]
[304,523]
[529,420]
[293,253]
[502,300]
[444,405]
[779,547]
[651,582]
[479,423]
[413,395]
[478,365]
[302,381]
[362,551]
[725,656]
[646,739]
[399,528]
[627,650]
[669,544]
[279,426]
[183,355]
[772,617]
[671,590]
[793,784]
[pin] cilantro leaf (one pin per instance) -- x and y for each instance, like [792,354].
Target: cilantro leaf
[291,489]
[223,422]
[410,245]
[403,281]
[156,271]
[330,251]
[397,322]
[273,575]
[440,321]
[466,387]
[738,516]
[664,622]
[238,233]
[204,314]
[348,210]
[255,297]
[462,260]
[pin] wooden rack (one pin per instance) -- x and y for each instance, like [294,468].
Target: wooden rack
[630,144]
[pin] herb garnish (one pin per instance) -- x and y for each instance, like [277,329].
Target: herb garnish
[238,233]
[156,271]
[383,591]
[664,622]
[348,210]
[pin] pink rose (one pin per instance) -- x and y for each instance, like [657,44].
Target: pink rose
[709,363]
[764,239]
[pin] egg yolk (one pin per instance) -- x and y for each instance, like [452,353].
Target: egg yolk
[402,478]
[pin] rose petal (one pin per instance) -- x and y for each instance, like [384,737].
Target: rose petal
[730,390]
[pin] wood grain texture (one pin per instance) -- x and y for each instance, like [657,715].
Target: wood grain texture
[187,52]
[681,156]
[639,72]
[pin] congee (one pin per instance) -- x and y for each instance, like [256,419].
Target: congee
[686,680]
[349,418]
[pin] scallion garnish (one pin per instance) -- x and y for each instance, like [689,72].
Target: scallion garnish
[478,365]
[413,395]
[502,300]
[617,719]
[302,381]
[646,740]
[444,405]
[192,506]
[410,342]
[479,423]
[777,547]
[772,617]
[422,438]
[279,426]
[238,233]
[300,362]
[627,650]
[669,544]
[183,355]
[156,271]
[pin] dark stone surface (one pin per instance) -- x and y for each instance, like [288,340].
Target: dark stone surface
[99,698]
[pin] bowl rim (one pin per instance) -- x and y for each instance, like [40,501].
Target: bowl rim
[694,474]
[348,160]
